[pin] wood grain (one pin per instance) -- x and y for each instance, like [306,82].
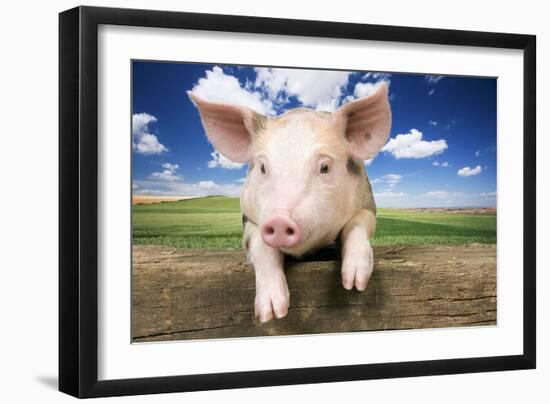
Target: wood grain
[181,294]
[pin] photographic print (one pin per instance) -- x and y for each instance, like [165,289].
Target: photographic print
[270,201]
[249,201]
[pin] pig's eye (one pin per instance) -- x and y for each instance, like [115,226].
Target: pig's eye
[262,168]
[324,168]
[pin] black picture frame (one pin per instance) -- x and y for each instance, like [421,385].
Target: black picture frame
[78,201]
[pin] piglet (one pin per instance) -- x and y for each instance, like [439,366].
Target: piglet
[306,185]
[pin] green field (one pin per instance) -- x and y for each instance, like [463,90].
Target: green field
[215,222]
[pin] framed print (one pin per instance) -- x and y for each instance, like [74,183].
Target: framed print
[251,201]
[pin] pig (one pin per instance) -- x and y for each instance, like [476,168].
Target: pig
[306,186]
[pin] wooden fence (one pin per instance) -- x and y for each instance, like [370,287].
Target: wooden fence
[180,294]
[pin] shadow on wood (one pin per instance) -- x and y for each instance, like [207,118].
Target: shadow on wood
[180,294]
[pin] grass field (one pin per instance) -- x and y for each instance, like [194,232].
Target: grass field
[215,222]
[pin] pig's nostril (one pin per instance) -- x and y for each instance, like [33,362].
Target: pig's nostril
[280,231]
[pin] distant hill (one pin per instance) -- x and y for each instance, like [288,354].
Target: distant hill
[147,199]
[216,222]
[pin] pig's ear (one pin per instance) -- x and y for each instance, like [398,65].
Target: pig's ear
[229,127]
[366,123]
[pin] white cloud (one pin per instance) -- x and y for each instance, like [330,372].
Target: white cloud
[437,194]
[433,123]
[181,188]
[438,164]
[207,184]
[168,174]
[319,89]
[219,160]
[241,180]
[365,89]
[209,188]
[489,195]
[392,179]
[478,153]
[171,167]
[411,145]
[135,186]
[329,106]
[391,199]
[389,179]
[368,162]
[433,79]
[225,88]
[468,172]
[377,76]
[323,90]
[145,142]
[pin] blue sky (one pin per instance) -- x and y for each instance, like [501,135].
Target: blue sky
[441,151]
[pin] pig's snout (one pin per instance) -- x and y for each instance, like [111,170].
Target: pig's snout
[280,231]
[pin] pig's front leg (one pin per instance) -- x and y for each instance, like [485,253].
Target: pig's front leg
[272,296]
[357,256]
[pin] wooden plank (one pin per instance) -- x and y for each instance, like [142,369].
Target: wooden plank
[181,294]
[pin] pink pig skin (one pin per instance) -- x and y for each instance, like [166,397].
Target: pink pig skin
[305,186]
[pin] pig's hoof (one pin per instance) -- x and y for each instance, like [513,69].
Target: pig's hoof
[357,268]
[272,303]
